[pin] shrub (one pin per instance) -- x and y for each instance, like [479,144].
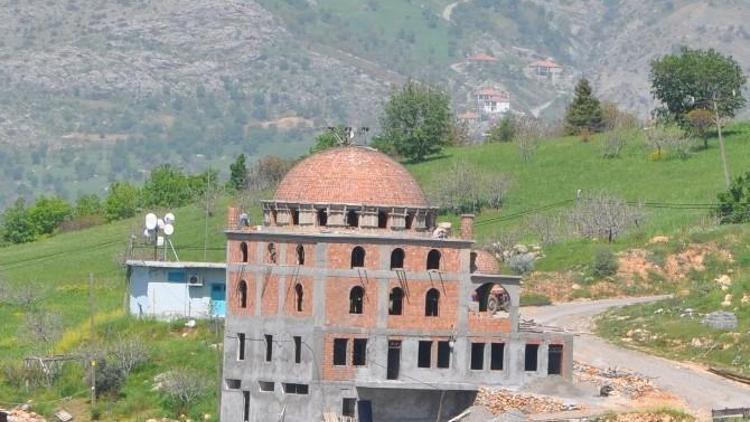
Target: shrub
[504,131]
[605,263]
[522,263]
[614,142]
[734,204]
[109,377]
[604,216]
[183,387]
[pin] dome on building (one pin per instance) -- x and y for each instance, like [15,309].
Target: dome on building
[351,175]
[486,263]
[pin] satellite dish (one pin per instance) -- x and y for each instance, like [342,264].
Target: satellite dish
[160,241]
[168,229]
[160,223]
[151,221]
[169,218]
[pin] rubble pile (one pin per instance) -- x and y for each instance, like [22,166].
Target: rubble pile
[500,401]
[621,382]
[20,415]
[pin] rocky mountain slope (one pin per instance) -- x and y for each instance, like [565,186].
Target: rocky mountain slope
[96,90]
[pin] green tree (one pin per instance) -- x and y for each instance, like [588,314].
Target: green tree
[504,131]
[238,173]
[328,139]
[123,201]
[692,79]
[166,186]
[695,79]
[416,122]
[48,213]
[88,205]
[585,112]
[17,224]
[734,203]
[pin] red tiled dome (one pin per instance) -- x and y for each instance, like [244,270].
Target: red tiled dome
[486,263]
[351,175]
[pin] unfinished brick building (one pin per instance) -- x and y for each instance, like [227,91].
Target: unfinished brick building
[349,301]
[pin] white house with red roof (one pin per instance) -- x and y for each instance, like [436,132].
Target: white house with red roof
[492,101]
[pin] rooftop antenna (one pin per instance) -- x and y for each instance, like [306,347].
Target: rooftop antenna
[158,232]
[350,134]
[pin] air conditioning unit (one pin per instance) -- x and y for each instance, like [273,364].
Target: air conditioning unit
[195,280]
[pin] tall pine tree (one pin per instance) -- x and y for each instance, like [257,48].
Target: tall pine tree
[238,173]
[585,112]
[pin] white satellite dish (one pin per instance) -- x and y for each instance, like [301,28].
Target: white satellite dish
[168,229]
[151,221]
[160,223]
[169,218]
[160,241]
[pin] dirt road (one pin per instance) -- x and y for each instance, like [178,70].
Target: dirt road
[700,389]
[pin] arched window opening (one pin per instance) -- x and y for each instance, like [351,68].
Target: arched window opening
[356,300]
[358,257]
[492,298]
[295,217]
[298,293]
[409,221]
[322,217]
[473,262]
[433,260]
[352,218]
[396,301]
[432,302]
[272,253]
[242,293]
[243,251]
[382,219]
[300,255]
[397,259]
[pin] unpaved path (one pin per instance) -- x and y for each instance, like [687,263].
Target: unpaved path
[701,390]
[448,10]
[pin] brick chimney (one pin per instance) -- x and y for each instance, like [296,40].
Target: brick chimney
[467,226]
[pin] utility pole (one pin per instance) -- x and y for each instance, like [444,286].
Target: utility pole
[91,340]
[205,230]
[717,116]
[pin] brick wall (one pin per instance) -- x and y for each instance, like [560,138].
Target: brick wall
[413,314]
[290,301]
[333,372]
[340,255]
[291,253]
[337,302]
[233,296]
[484,322]
[270,293]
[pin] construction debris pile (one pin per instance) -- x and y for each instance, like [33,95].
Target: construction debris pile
[21,415]
[621,382]
[499,401]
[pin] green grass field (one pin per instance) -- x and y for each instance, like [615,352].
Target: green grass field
[558,169]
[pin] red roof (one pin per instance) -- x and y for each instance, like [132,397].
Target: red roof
[493,93]
[350,175]
[481,57]
[546,63]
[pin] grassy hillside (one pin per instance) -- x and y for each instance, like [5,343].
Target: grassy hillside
[557,170]
[562,166]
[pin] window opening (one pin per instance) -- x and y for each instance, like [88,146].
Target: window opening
[433,260]
[352,218]
[444,354]
[242,290]
[272,253]
[295,217]
[290,388]
[394,359]
[530,361]
[359,352]
[243,251]
[298,291]
[348,407]
[473,262]
[297,349]
[300,255]
[356,299]
[322,217]
[409,220]
[240,346]
[246,406]
[233,384]
[554,359]
[396,301]
[432,302]
[497,355]
[425,354]
[358,257]
[266,386]
[339,351]
[382,219]
[477,356]
[269,347]
[397,259]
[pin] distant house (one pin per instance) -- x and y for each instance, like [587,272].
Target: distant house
[545,69]
[492,102]
[468,117]
[169,290]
